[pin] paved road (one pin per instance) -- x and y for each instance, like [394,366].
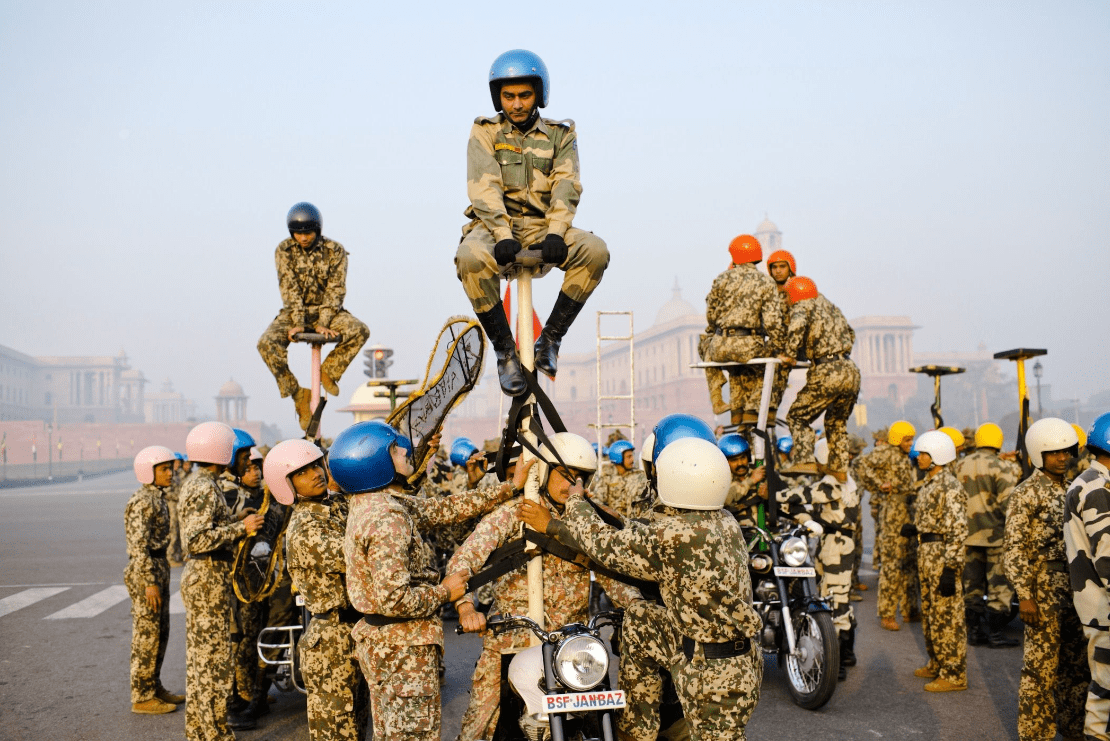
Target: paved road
[65,636]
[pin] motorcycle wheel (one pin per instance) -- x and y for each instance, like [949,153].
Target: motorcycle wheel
[812,671]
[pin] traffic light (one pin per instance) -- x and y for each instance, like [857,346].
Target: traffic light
[378,360]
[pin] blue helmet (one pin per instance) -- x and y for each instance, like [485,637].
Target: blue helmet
[784,444]
[523,65]
[677,426]
[359,458]
[733,445]
[243,440]
[178,456]
[913,452]
[616,451]
[1099,434]
[461,450]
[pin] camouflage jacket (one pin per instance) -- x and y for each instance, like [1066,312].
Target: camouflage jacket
[835,505]
[391,568]
[314,549]
[146,521]
[174,489]
[988,481]
[941,508]
[511,175]
[206,522]
[818,329]
[643,502]
[566,584]
[1087,537]
[1034,532]
[890,465]
[743,500]
[746,298]
[618,492]
[699,559]
[313,280]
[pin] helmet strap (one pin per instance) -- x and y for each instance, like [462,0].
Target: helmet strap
[524,127]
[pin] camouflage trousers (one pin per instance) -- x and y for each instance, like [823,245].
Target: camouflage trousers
[831,388]
[834,566]
[174,550]
[1054,672]
[404,689]
[205,586]
[942,618]
[983,575]
[150,631]
[587,258]
[338,698]
[857,552]
[273,346]
[1097,723]
[745,383]
[717,695]
[483,712]
[876,504]
[894,576]
[250,618]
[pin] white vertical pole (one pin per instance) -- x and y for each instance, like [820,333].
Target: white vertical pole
[525,340]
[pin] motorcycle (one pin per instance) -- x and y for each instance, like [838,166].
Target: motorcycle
[797,623]
[277,647]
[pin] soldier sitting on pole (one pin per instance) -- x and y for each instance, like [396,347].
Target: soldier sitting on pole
[522,181]
[312,277]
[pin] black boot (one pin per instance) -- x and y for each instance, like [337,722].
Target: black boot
[509,371]
[547,344]
[259,705]
[995,622]
[976,630]
[848,647]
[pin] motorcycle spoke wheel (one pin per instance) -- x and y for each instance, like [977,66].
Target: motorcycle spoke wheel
[811,670]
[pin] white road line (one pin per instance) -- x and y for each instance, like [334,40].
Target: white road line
[72,584]
[19,600]
[177,605]
[94,605]
[61,492]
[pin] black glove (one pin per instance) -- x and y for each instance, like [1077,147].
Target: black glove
[554,249]
[909,530]
[505,250]
[947,586]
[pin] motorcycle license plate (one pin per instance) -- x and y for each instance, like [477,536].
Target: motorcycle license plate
[795,571]
[579,702]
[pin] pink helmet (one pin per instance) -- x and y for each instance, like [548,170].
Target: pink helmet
[147,459]
[210,442]
[287,457]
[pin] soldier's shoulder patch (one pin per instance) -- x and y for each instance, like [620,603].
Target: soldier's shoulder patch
[483,120]
[566,123]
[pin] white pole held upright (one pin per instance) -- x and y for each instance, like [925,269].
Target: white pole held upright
[526,339]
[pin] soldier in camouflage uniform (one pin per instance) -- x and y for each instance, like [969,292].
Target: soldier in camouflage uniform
[856,446]
[819,329]
[988,480]
[392,577]
[209,532]
[701,633]
[1054,673]
[523,184]
[147,576]
[1087,537]
[745,318]
[745,494]
[312,278]
[626,481]
[940,526]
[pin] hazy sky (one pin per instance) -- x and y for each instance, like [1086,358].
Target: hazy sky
[947,161]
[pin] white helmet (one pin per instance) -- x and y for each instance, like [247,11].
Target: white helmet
[574,450]
[938,445]
[648,448]
[1048,435]
[821,451]
[693,474]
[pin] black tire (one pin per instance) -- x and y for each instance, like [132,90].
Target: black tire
[812,674]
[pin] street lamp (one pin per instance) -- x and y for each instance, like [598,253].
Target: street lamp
[1038,371]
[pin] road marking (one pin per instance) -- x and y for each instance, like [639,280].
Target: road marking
[61,492]
[19,600]
[177,605]
[94,605]
[73,584]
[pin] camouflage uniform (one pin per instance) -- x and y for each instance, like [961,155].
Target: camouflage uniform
[1087,536]
[566,595]
[889,465]
[174,551]
[524,186]
[942,510]
[700,562]
[988,480]
[836,507]
[338,698]
[743,500]
[313,284]
[209,534]
[742,298]
[147,525]
[392,579]
[619,490]
[832,383]
[1054,674]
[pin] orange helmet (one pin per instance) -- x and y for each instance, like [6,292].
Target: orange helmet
[783,256]
[745,248]
[799,288]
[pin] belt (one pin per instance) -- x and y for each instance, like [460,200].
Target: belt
[736,332]
[930,538]
[725,650]
[343,614]
[217,555]
[1056,566]
[157,552]
[380,620]
[829,358]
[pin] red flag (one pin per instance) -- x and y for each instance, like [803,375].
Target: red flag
[537,326]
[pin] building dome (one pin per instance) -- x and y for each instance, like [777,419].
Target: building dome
[766,226]
[368,402]
[231,388]
[676,308]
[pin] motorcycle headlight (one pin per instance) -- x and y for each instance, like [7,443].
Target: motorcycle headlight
[794,551]
[581,662]
[761,563]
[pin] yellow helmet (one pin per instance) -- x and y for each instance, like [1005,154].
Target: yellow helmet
[900,430]
[956,435]
[1081,434]
[989,435]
